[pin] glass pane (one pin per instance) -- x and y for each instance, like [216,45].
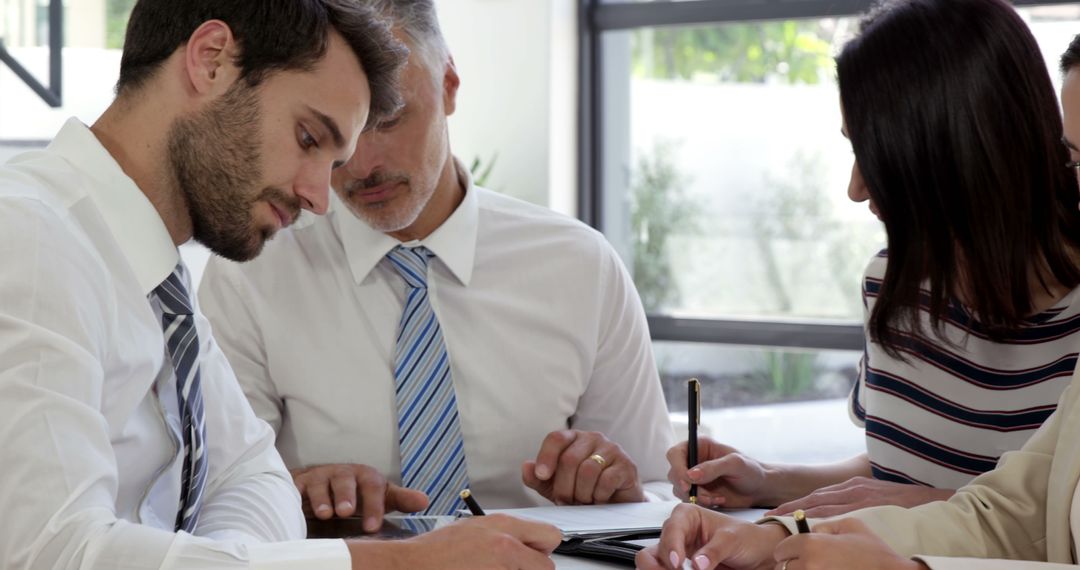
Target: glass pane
[771,404]
[725,173]
[93,35]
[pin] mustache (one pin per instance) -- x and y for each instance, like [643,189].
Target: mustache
[377,179]
[277,196]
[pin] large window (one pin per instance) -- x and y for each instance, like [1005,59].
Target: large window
[713,161]
[93,32]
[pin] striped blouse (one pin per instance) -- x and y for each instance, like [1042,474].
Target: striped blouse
[953,408]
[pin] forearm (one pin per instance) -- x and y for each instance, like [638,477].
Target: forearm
[264,507]
[383,554]
[789,482]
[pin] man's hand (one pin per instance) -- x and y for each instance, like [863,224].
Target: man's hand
[711,540]
[860,493]
[839,545]
[321,486]
[725,477]
[582,468]
[495,542]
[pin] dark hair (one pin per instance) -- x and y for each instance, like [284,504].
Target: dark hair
[273,35]
[956,130]
[1071,57]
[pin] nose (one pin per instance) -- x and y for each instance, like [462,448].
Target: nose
[313,187]
[365,159]
[856,190]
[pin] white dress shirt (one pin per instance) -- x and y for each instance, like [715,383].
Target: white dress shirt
[543,327]
[91,454]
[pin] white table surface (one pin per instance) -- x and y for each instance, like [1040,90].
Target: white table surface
[571,563]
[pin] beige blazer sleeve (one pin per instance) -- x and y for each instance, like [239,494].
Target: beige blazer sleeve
[939,563]
[1018,511]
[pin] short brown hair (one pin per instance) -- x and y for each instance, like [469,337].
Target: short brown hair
[273,35]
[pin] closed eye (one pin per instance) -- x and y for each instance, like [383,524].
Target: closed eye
[388,125]
[306,140]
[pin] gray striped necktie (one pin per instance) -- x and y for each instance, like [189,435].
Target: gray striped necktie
[432,450]
[182,343]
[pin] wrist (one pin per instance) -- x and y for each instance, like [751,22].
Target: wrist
[773,532]
[389,554]
[775,478]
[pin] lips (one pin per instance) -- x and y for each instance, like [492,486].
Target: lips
[378,193]
[284,219]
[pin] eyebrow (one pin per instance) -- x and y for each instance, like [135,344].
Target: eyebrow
[1068,144]
[330,125]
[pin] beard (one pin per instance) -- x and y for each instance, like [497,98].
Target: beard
[391,215]
[215,157]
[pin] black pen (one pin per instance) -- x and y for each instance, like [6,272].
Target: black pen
[800,522]
[693,388]
[470,502]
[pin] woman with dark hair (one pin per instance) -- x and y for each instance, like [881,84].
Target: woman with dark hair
[973,312]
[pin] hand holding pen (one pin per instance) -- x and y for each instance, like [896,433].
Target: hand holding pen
[693,388]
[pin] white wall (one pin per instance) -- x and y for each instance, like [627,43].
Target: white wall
[518,65]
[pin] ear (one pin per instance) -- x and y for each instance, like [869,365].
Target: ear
[209,59]
[450,83]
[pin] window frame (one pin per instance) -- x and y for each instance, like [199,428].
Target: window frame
[52,93]
[597,17]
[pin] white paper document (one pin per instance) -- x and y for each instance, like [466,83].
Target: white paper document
[590,521]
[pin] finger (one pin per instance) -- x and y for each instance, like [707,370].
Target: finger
[614,479]
[343,486]
[790,548]
[680,488]
[318,493]
[647,559]
[527,558]
[405,500]
[731,466]
[842,526]
[528,476]
[679,485]
[373,493]
[676,457]
[818,498]
[716,548]
[675,534]
[570,461]
[548,458]
[590,470]
[826,511]
[538,536]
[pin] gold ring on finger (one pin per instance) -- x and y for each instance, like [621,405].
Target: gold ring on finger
[599,459]
[784,566]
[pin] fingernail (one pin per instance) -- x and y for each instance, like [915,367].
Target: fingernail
[344,505]
[371,524]
[694,473]
[322,508]
[674,559]
[701,561]
[542,472]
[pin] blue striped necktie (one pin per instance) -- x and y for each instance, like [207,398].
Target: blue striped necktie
[182,343]
[432,450]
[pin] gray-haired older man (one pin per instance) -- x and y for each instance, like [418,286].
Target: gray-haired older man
[438,335]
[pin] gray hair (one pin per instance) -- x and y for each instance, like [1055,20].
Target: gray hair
[420,23]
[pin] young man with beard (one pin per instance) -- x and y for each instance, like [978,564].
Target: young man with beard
[127,441]
[439,335]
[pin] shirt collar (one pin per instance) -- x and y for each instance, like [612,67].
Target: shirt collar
[135,224]
[454,242]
